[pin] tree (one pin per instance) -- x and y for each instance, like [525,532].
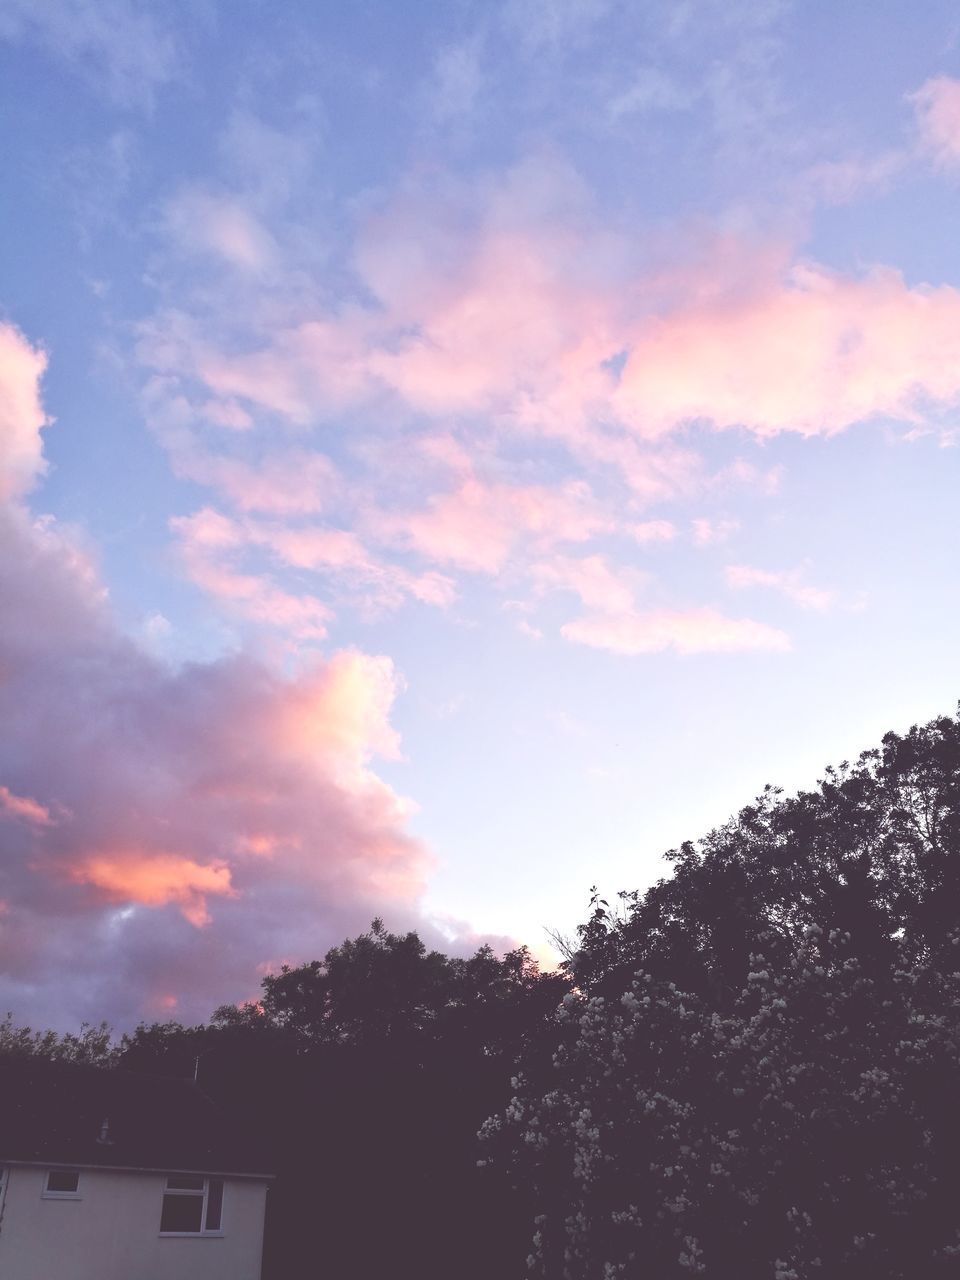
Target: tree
[369,1073]
[755,1076]
[809,1130]
[874,851]
[92,1045]
[379,985]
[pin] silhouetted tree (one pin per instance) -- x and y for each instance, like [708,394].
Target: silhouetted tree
[755,1077]
[368,1074]
[809,1130]
[93,1045]
[873,851]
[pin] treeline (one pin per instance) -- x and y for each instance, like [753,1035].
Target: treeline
[747,1071]
[364,1078]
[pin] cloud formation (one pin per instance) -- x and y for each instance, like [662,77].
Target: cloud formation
[684,631]
[509,321]
[937,104]
[530,382]
[826,351]
[507,303]
[120,48]
[21,413]
[791,583]
[510,333]
[25,808]
[164,832]
[491,323]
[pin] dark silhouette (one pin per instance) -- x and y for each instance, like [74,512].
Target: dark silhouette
[369,1074]
[873,851]
[757,1076]
[752,1074]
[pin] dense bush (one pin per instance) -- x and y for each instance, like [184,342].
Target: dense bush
[811,1129]
[756,1077]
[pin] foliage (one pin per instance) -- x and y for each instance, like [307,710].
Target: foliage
[367,1074]
[753,1077]
[92,1045]
[756,1076]
[383,988]
[873,851]
[810,1130]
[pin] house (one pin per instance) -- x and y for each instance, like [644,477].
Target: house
[113,1175]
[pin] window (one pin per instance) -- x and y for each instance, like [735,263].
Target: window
[192,1206]
[62,1184]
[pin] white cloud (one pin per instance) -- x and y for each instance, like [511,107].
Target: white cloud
[119,47]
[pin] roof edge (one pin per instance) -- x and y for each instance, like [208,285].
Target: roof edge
[132,1168]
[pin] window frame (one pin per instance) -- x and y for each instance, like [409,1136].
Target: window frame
[48,1194]
[196,1194]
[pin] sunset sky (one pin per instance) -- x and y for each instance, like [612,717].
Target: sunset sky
[450,453]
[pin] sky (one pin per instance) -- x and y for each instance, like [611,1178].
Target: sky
[450,453]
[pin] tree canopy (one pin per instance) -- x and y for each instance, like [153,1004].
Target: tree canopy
[748,1069]
[369,1073]
[873,850]
[756,1074]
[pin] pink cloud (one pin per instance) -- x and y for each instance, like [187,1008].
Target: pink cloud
[486,320]
[480,313]
[312,368]
[285,483]
[706,532]
[277,480]
[527,629]
[514,326]
[155,879]
[652,531]
[226,413]
[599,587]
[486,317]
[740,472]
[478,525]
[212,546]
[692,631]
[220,814]
[339,712]
[788,582]
[825,351]
[224,794]
[937,104]
[342,554]
[21,414]
[477,306]
[208,542]
[25,808]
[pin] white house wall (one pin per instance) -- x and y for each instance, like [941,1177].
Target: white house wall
[112,1232]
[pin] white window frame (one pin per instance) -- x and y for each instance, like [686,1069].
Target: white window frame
[47,1194]
[196,1194]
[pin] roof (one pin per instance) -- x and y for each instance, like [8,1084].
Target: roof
[54,1113]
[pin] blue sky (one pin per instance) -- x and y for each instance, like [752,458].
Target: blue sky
[450,454]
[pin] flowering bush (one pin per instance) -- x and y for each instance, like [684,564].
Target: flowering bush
[808,1130]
